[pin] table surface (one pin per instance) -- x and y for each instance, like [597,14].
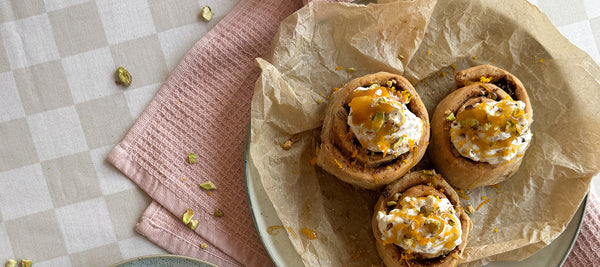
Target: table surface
[61,113]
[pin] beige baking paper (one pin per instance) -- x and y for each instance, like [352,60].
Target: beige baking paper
[426,42]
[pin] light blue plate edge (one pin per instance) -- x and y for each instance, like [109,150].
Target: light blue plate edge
[145,260]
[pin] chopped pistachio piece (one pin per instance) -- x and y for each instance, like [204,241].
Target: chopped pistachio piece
[470,123]
[392,203]
[123,76]
[287,145]
[192,158]
[426,210]
[193,224]
[432,227]
[408,242]
[519,129]
[518,112]
[26,263]
[398,143]
[219,213]
[293,139]
[10,263]
[378,121]
[469,210]
[450,117]
[187,216]
[208,185]
[350,70]
[487,126]
[203,245]
[207,13]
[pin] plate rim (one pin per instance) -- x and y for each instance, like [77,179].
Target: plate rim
[249,198]
[583,203]
[159,256]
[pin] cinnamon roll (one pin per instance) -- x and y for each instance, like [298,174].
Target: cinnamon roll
[418,221]
[481,131]
[375,129]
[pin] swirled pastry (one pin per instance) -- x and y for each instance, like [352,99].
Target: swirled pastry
[418,221]
[375,129]
[481,131]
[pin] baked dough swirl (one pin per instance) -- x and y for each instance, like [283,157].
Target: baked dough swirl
[362,140]
[481,130]
[418,221]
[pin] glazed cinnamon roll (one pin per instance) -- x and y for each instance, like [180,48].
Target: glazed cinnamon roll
[418,221]
[375,129]
[481,131]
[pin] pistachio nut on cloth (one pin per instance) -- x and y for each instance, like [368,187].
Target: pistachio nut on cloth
[204,108]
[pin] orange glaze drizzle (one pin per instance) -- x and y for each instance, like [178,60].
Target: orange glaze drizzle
[506,120]
[418,221]
[366,111]
[482,203]
[273,230]
[311,234]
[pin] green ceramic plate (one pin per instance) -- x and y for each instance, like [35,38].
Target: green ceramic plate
[163,261]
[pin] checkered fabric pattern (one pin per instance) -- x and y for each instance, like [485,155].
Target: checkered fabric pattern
[61,203]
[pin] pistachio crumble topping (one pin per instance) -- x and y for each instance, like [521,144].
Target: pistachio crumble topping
[381,121]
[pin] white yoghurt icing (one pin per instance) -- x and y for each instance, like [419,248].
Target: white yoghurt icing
[430,233]
[403,132]
[497,140]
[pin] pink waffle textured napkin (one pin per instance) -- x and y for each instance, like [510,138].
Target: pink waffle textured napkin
[204,108]
[586,251]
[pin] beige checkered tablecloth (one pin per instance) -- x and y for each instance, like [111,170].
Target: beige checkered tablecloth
[61,203]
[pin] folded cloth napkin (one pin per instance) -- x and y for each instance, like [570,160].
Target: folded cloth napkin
[204,108]
[586,250]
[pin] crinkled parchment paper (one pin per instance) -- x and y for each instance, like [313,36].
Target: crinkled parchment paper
[426,42]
